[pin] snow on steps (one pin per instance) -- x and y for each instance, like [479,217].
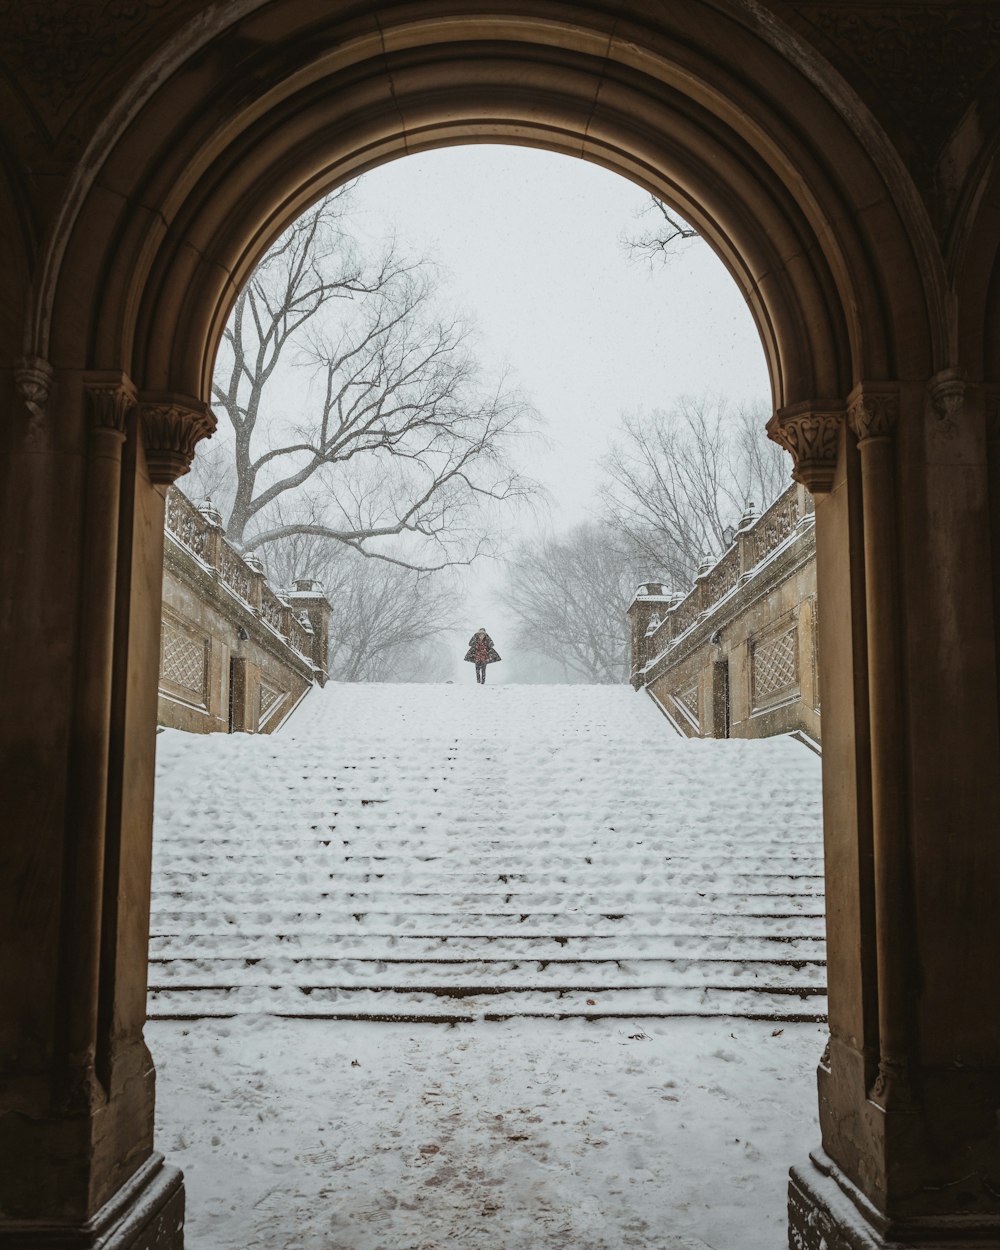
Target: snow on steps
[462,852]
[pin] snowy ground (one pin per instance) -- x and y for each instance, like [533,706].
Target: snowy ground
[550,865]
[527,1135]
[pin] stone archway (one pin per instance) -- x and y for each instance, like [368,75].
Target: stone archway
[239,118]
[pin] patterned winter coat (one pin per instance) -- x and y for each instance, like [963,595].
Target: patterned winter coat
[481,650]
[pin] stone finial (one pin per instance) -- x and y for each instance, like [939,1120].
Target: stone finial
[749,516]
[171,429]
[706,565]
[212,515]
[810,433]
[34,378]
[873,410]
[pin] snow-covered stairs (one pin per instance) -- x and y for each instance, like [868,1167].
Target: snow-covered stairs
[455,852]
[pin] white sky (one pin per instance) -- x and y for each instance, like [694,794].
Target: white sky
[531,244]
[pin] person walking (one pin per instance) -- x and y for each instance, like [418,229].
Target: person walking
[481,652]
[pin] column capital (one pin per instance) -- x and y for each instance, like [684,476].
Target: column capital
[810,433]
[873,410]
[172,425]
[110,398]
[34,378]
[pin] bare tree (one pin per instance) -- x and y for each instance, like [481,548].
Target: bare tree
[387,621]
[569,596]
[676,479]
[663,238]
[396,448]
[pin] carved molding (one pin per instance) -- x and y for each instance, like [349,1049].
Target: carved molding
[171,429]
[947,392]
[810,433]
[110,399]
[873,411]
[34,378]
[893,1088]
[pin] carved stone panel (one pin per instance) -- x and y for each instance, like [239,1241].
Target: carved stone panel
[688,703]
[774,668]
[184,663]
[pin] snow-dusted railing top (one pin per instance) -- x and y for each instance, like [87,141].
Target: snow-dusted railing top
[661,620]
[199,531]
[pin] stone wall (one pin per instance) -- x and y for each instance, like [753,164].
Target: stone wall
[235,656]
[737,656]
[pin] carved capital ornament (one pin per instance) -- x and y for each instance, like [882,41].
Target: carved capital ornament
[34,378]
[171,429]
[873,412]
[110,399]
[810,433]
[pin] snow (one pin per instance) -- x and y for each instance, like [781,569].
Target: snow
[626,925]
[517,1136]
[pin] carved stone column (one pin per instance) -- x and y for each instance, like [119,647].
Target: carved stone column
[77,1166]
[108,398]
[910,1083]
[873,416]
[309,596]
[650,598]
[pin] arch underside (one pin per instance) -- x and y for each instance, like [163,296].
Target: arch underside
[203,178]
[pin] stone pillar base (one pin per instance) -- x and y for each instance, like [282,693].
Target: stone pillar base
[147,1213]
[826,1211]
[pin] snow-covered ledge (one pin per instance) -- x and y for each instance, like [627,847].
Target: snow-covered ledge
[737,655]
[236,655]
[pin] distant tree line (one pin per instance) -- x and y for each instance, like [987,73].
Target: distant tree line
[674,479]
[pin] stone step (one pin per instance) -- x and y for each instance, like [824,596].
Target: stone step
[408,948]
[498,923]
[492,902]
[477,849]
[485,1003]
[497,973]
[394,876]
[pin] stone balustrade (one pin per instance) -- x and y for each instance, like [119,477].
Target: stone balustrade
[235,654]
[737,655]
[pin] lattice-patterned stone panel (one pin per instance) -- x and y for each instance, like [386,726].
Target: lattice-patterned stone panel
[775,667]
[184,662]
[687,701]
[270,697]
